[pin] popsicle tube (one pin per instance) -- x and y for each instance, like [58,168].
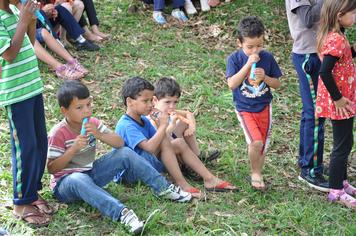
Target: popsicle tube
[83,131]
[252,72]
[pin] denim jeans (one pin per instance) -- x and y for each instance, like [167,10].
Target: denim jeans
[87,186]
[153,161]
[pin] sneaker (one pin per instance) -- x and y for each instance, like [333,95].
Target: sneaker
[189,7]
[343,198]
[204,5]
[175,193]
[86,45]
[178,14]
[130,220]
[318,182]
[159,18]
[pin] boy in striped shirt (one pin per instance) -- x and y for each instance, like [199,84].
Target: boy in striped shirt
[21,94]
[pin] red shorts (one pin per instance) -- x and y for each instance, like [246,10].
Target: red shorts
[257,126]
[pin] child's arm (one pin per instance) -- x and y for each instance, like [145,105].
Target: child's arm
[261,76]
[26,15]
[152,145]
[110,138]
[192,123]
[61,162]
[235,80]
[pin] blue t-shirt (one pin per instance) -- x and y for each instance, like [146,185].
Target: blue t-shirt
[133,132]
[245,99]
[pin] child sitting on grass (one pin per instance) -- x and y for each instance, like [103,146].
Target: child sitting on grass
[182,122]
[252,96]
[78,176]
[154,145]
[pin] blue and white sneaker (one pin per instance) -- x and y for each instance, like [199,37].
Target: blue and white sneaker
[175,193]
[159,18]
[178,14]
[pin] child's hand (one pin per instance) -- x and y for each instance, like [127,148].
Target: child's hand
[163,119]
[80,142]
[259,77]
[92,129]
[189,131]
[343,106]
[27,12]
[252,59]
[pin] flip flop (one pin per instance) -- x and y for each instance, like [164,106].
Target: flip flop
[194,191]
[221,188]
[213,155]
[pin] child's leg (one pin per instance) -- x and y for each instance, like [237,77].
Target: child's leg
[134,166]
[257,129]
[190,140]
[342,145]
[170,161]
[29,150]
[44,56]
[190,159]
[53,44]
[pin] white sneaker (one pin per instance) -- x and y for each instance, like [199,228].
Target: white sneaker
[130,219]
[175,193]
[204,5]
[179,15]
[189,7]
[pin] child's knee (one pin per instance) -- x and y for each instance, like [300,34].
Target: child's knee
[256,146]
[78,5]
[180,144]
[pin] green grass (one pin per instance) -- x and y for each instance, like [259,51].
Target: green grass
[196,58]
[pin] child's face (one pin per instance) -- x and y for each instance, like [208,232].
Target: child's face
[166,104]
[142,105]
[251,45]
[347,20]
[78,110]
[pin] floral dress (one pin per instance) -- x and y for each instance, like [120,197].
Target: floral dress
[344,74]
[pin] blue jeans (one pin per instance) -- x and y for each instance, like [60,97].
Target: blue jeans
[153,161]
[311,143]
[87,186]
[158,5]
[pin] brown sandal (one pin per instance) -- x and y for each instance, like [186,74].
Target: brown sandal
[32,215]
[43,206]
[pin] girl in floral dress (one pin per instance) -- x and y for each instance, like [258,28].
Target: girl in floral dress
[336,92]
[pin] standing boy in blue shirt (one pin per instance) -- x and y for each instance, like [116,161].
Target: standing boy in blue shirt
[252,96]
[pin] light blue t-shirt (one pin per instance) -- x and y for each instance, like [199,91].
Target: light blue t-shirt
[133,132]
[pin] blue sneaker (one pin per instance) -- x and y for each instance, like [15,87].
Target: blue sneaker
[159,18]
[178,14]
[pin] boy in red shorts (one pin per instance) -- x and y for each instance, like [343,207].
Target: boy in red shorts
[251,72]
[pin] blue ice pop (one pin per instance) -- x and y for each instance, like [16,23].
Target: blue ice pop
[83,131]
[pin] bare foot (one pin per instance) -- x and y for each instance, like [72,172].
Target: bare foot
[257,181]
[93,37]
[218,185]
[96,31]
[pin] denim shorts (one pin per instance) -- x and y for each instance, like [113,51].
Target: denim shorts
[39,36]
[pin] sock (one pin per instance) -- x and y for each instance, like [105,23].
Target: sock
[80,39]
[349,189]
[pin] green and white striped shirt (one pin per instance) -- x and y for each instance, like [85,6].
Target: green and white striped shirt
[20,80]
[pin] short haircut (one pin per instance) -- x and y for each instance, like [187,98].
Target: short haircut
[251,27]
[133,87]
[69,90]
[167,87]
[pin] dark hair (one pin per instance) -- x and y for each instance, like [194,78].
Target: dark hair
[167,87]
[69,90]
[133,87]
[251,27]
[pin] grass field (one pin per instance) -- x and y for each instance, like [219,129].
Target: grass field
[195,55]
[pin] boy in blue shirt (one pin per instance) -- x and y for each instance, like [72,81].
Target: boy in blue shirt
[151,144]
[252,96]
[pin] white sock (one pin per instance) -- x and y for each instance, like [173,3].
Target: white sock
[80,39]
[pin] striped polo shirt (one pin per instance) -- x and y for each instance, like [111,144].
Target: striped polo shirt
[19,80]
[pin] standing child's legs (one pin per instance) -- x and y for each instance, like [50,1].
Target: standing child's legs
[29,153]
[342,145]
[257,130]
[311,144]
